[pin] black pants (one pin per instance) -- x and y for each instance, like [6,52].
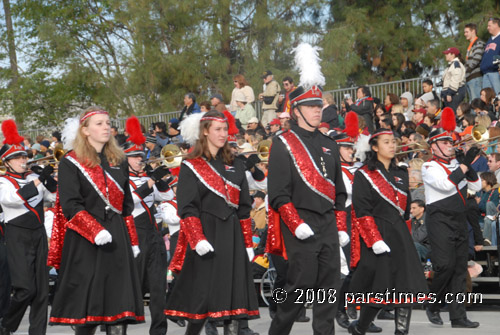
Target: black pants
[4,276]
[313,264]
[152,264]
[447,231]
[456,99]
[27,256]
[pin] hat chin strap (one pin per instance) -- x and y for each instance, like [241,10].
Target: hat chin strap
[441,151]
[305,120]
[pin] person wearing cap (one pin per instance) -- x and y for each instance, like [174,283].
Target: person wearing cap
[284,118]
[21,198]
[454,88]
[489,65]
[418,116]
[217,102]
[383,253]
[244,111]
[473,58]
[258,212]
[274,127]
[307,211]
[146,189]
[174,132]
[44,146]
[94,240]
[363,106]
[152,149]
[446,181]
[269,97]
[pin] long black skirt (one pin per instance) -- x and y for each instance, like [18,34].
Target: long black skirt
[218,285]
[98,284]
[394,278]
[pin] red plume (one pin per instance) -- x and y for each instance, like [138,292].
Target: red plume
[9,129]
[133,128]
[175,171]
[352,125]
[448,121]
[231,121]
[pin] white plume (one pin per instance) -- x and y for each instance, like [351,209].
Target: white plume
[362,147]
[190,128]
[307,63]
[69,132]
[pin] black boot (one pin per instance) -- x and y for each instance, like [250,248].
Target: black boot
[210,328]
[373,328]
[342,319]
[353,329]
[194,328]
[118,329]
[4,331]
[385,315]
[85,330]
[402,320]
[232,328]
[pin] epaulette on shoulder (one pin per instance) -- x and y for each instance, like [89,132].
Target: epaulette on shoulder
[456,64]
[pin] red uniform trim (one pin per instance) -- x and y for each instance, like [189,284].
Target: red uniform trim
[132,232]
[26,203]
[220,314]
[246,228]
[85,225]
[179,254]
[57,239]
[368,230]
[448,172]
[306,167]
[355,243]
[386,190]
[275,243]
[341,218]
[214,181]
[290,216]
[193,230]
[143,204]
[114,195]
[92,318]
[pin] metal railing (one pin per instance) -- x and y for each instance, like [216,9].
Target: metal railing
[377,90]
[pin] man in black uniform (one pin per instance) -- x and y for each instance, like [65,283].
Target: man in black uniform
[307,192]
[4,271]
[22,198]
[446,180]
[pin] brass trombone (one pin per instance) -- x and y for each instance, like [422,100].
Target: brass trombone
[262,151]
[170,156]
[54,159]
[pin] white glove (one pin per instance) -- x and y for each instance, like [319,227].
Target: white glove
[203,247]
[103,237]
[380,247]
[251,254]
[343,238]
[136,250]
[303,231]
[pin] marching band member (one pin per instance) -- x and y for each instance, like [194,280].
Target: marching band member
[446,181]
[22,199]
[306,197]
[386,261]
[346,142]
[215,242]
[152,261]
[94,240]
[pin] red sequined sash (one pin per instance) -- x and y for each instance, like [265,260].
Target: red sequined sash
[214,181]
[387,190]
[114,196]
[307,168]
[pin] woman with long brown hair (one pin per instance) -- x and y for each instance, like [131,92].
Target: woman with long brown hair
[94,240]
[214,274]
[241,85]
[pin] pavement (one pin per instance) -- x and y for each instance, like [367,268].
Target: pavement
[487,315]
